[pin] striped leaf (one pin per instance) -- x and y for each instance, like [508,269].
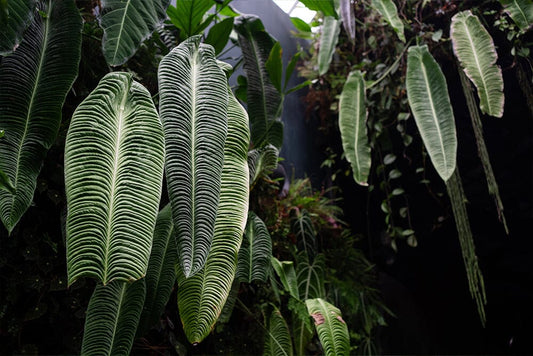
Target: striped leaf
[255,252]
[112,318]
[193,107]
[389,11]
[126,24]
[475,50]
[114,158]
[262,162]
[202,296]
[328,42]
[427,92]
[331,328]
[15,18]
[287,275]
[521,11]
[278,338]
[35,80]
[302,227]
[310,276]
[302,327]
[352,125]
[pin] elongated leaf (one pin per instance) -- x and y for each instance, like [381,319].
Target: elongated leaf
[202,296]
[5,183]
[126,24]
[521,11]
[348,18]
[328,42]
[15,19]
[255,252]
[352,125]
[475,50]
[310,276]
[327,7]
[112,318]
[302,327]
[161,273]
[389,11]
[114,156]
[188,15]
[274,65]
[332,330]
[34,81]
[302,227]
[428,97]
[287,275]
[278,338]
[264,100]
[219,34]
[193,107]
[262,162]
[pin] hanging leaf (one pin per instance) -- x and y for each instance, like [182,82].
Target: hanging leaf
[35,80]
[327,7]
[302,327]
[219,34]
[277,338]
[202,296]
[256,251]
[389,11]
[287,276]
[193,106]
[114,157]
[274,66]
[112,318]
[475,50]
[310,276]
[188,16]
[348,19]
[328,42]
[332,330]
[352,125]
[521,11]
[264,100]
[126,24]
[302,227]
[262,162]
[15,17]
[428,97]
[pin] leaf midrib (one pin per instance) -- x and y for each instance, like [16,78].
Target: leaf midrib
[329,324]
[117,316]
[357,125]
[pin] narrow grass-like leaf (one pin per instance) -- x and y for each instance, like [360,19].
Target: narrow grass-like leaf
[328,43]
[193,107]
[35,80]
[427,92]
[255,252]
[475,50]
[331,328]
[352,125]
[262,162]
[287,275]
[114,158]
[521,11]
[389,11]
[278,338]
[15,19]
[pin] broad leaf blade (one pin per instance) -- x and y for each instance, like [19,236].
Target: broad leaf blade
[274,65]
[256,251]
[352,125]
[475,50]
[262,162]
[112,318]
[427,92]
[188,15]
[331,328]
[328,42]
[114,158]
[193,107]
[278,338]
[521,11]
[264,100]
[389,11]
[201,297]
[327,7]
[219,34]
[287,275]
[35,80]
[126,24]
[15,19]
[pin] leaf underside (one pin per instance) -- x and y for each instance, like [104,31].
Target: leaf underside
[389,11]
[328,43]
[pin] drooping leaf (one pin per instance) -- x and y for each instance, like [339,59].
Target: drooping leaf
[114,157]
[274,65]
[15,17]
[202,296]
[521,11]
[475,50]
[264,100]
[287,275]
[427,92]
[352,125]
[300,24]
[310,276]
[290,69]
[112,317]
[126,24]
[327,7]
[193,107]
[348,18]
[302,327]
[35,80]
[278,338]
[219,34]
[161,273]
[188,15]
[328,42]
[262,162]
[389,11]
[302,227]
[331,328]
[256,251]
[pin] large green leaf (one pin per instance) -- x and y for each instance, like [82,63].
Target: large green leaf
[277,338]
[348,18]
[193,106]
[302,227]
[161,273]
[126,24]
[219,34]
[428,97]
[352,124]
[521,11]
[302,327]
[262,162]
[287,275]
[188,16]
[310,276]
[264,100]
[475,50]
[35,80]
[255,252]
[202,296]
[331,328]
[327,7]
[15,18]
[328,43]
[389,11]
[112,318]
[114,158]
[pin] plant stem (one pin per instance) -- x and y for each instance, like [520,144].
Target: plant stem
[391,66]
